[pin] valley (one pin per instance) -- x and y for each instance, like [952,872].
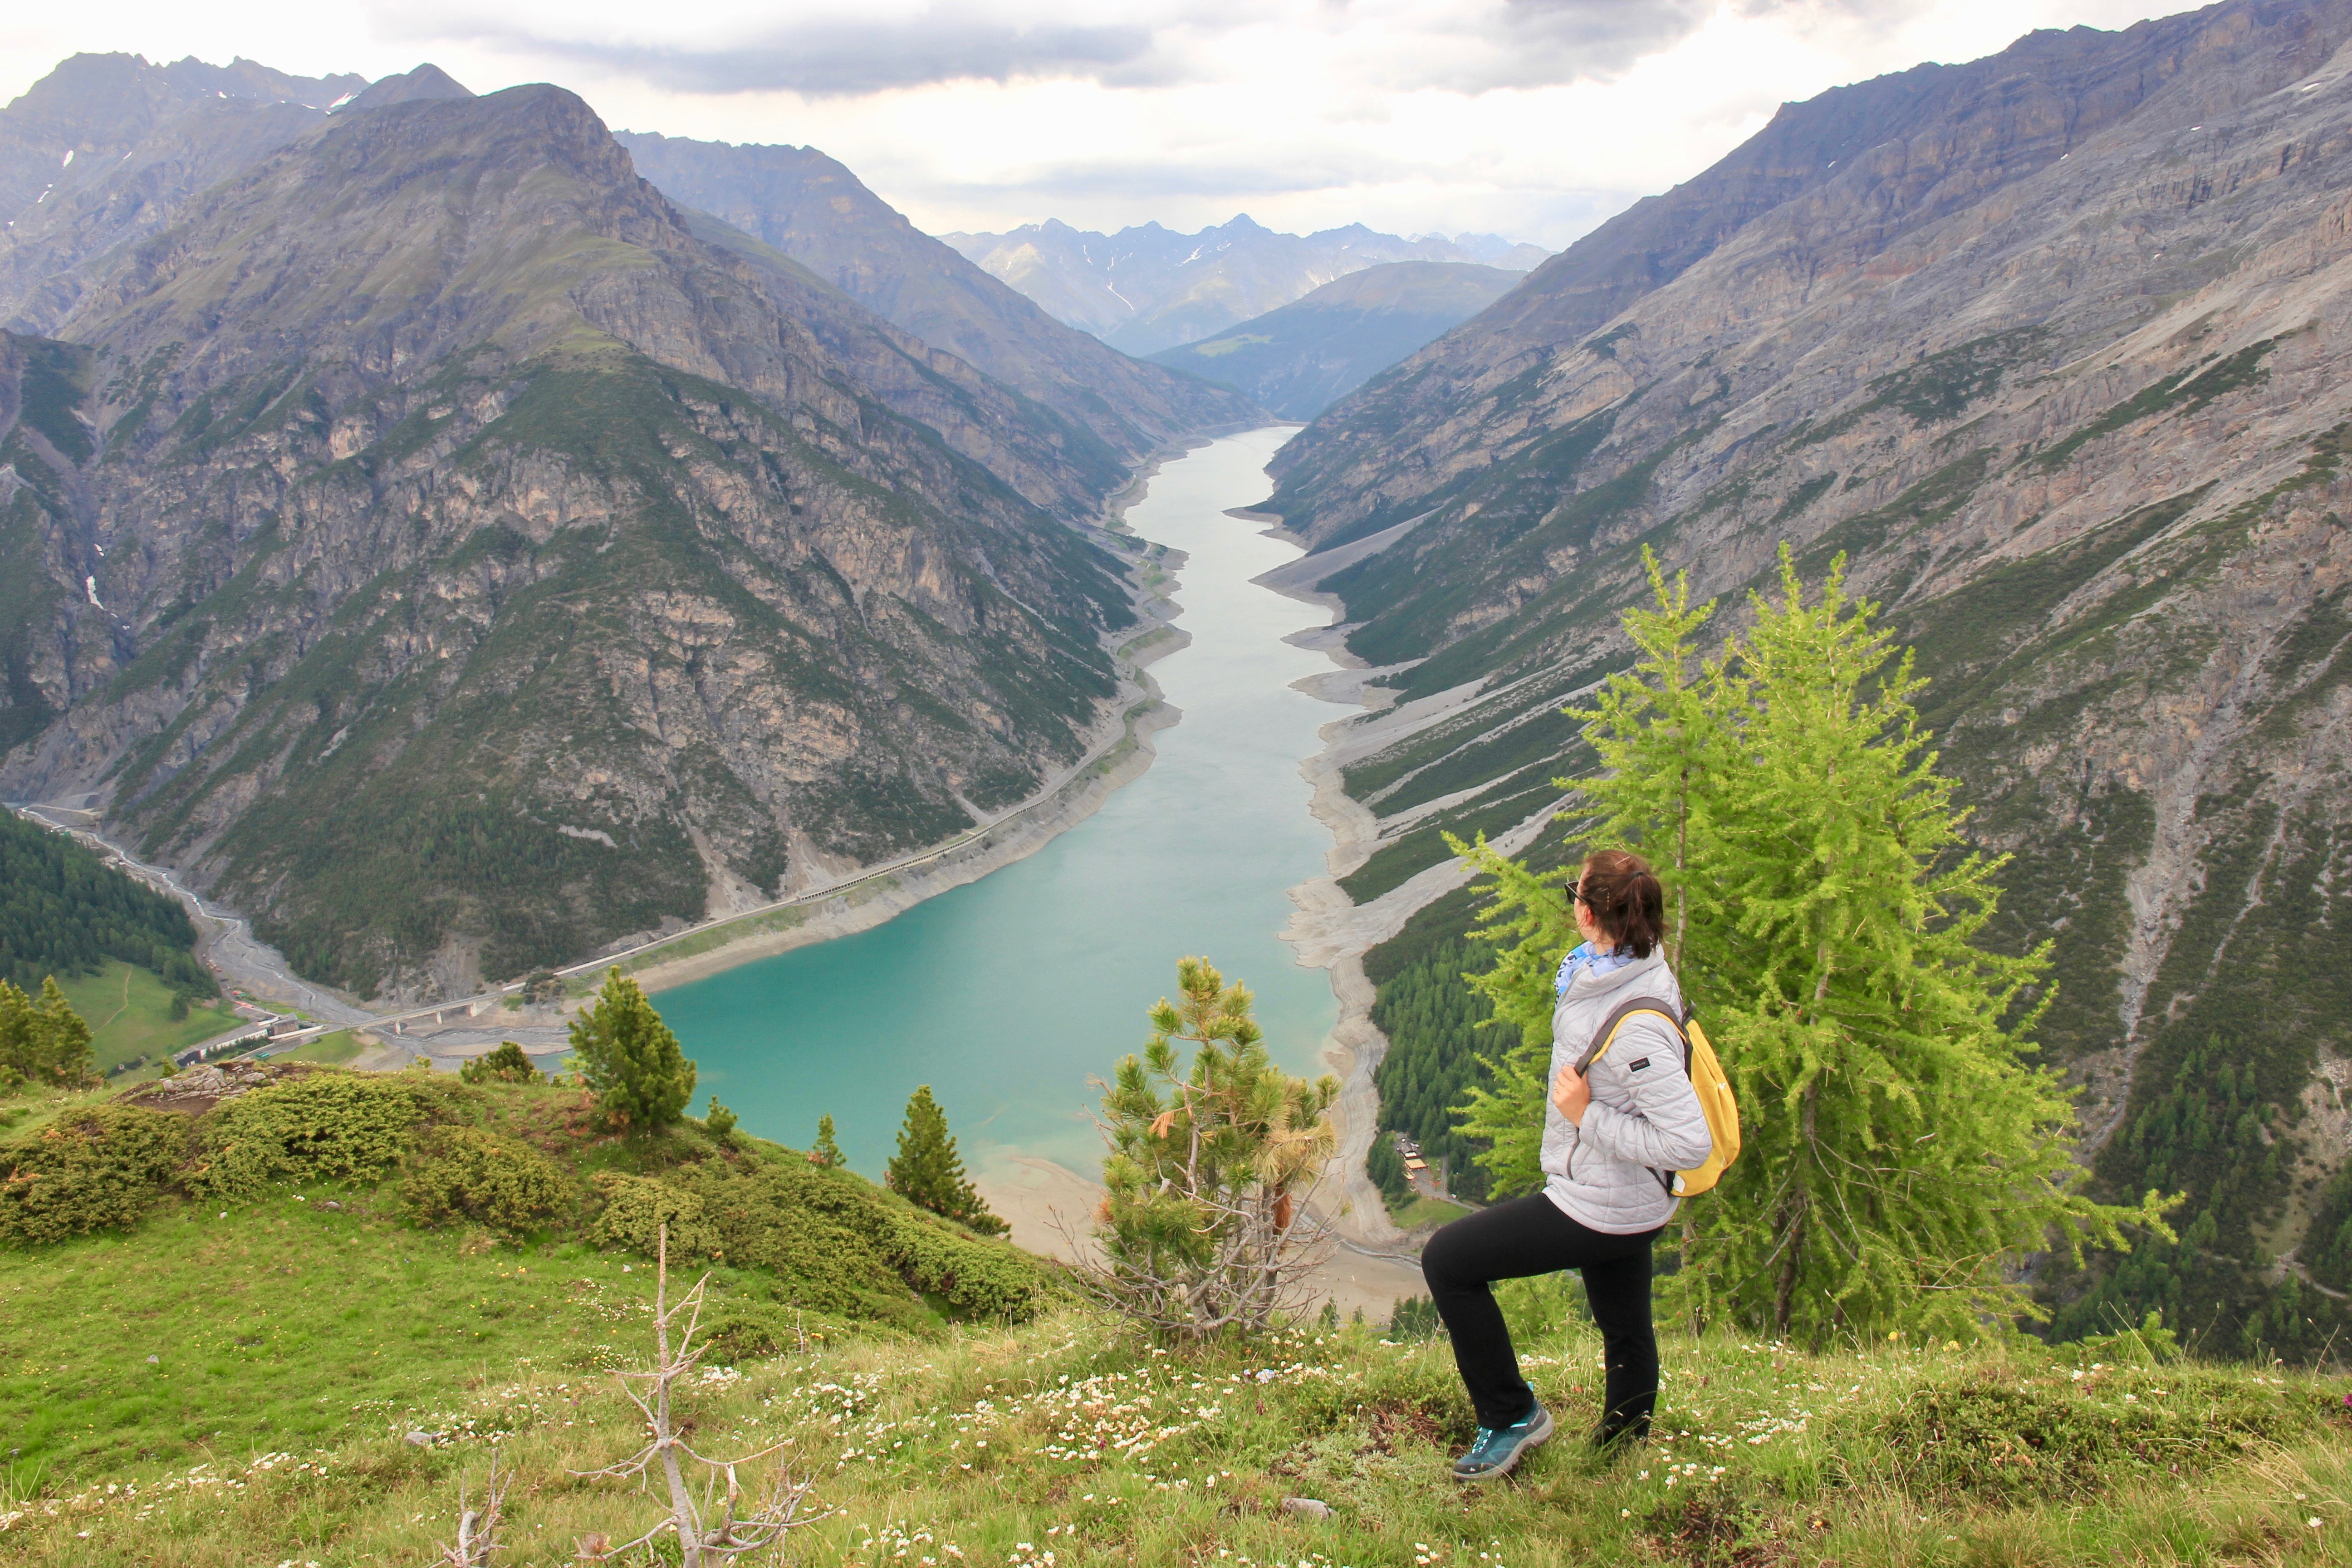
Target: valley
[693,668]
[1147,289]
[626,496]
[845,742]
[2058,381]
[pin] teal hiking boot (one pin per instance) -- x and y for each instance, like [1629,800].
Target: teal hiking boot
[1498,1448]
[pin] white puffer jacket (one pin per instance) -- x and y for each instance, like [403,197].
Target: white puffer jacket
[1645,1122]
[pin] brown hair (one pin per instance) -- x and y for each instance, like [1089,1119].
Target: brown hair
[1623,894]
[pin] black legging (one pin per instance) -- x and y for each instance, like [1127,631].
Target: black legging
[1527,1237]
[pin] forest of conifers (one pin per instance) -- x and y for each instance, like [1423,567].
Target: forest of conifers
[64,911]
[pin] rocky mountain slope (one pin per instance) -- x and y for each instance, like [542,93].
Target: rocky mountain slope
[429,544]
[1300,359]
[809,207]
[2052,346]
[97,152]
[1147,288]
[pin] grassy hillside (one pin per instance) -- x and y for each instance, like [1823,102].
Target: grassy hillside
[128,1011]
[982,1444]
[292,1254]
[266,1368]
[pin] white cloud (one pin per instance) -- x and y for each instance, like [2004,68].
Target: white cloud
[1532,118]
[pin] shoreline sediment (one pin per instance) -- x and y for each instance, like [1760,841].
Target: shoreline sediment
[1329,930]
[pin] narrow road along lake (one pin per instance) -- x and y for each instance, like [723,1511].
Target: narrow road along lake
[1006,994]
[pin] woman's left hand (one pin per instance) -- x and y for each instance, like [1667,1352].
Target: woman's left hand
[1572,1091]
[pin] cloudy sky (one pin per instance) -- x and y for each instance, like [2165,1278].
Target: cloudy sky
[1534,118]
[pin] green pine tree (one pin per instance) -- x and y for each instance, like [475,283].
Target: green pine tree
[720,1120]
[825,1152]
[1900,1149]
[1386,1168]
[45,1041]
[928,1172]
[16,1060]
[508,1064]
[1211,1166]
[630,1061]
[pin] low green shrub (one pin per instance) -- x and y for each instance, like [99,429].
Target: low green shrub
[771,1216]
[508,1064]
[838,1246]
[740,1330]
[98,1169]
[2003,1435]
[466,1173]
[977,1278]
[318,1127]
[635,1208]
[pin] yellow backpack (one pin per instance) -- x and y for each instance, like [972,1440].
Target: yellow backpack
[1715,1097]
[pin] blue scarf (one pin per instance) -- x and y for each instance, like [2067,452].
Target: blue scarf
[1586,959]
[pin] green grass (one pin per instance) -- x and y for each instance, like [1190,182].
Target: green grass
[280,1325]
[337,1049]
[1064,1437]
[305,1312]
[1424,1211]
[130,1013]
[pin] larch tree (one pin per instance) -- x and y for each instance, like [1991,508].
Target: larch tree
[1660,733]
[928,1171]
[642,1079]
[1901,1152]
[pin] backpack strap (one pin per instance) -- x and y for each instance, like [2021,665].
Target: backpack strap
[1607,1032]
[1625,1010]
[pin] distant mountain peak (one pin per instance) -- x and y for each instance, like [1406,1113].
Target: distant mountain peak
[1147,288]
[427,81]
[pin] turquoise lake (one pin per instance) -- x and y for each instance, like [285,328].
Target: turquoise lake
[1006,994]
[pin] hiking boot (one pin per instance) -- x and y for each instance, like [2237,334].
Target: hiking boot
[1498,1448]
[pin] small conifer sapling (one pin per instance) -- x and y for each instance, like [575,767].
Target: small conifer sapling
[825,1153]
[630,1061]
[929,1173]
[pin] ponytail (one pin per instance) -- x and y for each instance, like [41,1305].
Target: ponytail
[1624,897]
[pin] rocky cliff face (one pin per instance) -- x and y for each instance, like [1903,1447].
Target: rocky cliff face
[2053,348]
[810,208]
[429,544]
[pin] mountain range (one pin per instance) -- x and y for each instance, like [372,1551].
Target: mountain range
[421,532]
[808,207]
[1301,358]
[1146,289]
[2049,348]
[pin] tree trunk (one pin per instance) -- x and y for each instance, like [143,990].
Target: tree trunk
[1795,1215]
[1682,859]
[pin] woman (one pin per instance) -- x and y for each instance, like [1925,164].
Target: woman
[1611,1142]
